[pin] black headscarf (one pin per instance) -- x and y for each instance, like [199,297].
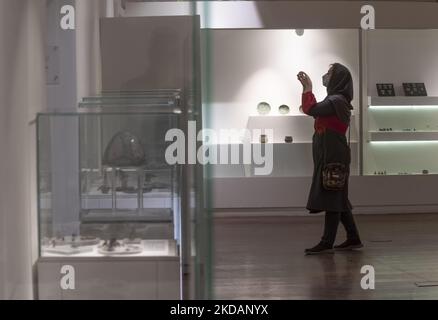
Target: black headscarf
[340,82]
[340,92]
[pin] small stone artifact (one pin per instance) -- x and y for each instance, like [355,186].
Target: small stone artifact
[124,150]
[288,139]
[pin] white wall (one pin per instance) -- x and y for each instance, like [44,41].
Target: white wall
[22,91]
[156,55]
[397,56]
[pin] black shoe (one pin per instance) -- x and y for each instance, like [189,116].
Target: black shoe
[349,245]
[318,249]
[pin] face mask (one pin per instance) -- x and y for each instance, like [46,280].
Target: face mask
[325,80]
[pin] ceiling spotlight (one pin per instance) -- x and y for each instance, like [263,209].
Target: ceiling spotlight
[299,32]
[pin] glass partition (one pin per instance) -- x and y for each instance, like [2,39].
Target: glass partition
[122,191]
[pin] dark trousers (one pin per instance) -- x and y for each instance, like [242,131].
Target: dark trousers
[331,226]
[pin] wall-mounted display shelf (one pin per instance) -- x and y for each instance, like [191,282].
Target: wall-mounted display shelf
[401,135]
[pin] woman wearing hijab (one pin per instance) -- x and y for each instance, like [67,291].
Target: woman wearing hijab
[329,145]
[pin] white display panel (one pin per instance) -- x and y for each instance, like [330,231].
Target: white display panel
[247,67]
[397,56]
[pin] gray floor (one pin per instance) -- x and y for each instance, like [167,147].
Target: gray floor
[262,258]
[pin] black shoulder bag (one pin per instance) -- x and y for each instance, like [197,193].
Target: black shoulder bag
[334,175]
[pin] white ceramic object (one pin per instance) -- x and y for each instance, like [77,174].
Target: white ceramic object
[263,108]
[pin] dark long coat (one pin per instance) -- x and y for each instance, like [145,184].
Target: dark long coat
[333,147]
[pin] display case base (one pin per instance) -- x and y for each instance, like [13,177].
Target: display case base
[110,278]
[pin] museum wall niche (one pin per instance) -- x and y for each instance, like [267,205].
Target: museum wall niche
[253,86]
[401,115]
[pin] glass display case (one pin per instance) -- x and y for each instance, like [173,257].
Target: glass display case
[105,188]
[110,203]
[402,136]
[130,224]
